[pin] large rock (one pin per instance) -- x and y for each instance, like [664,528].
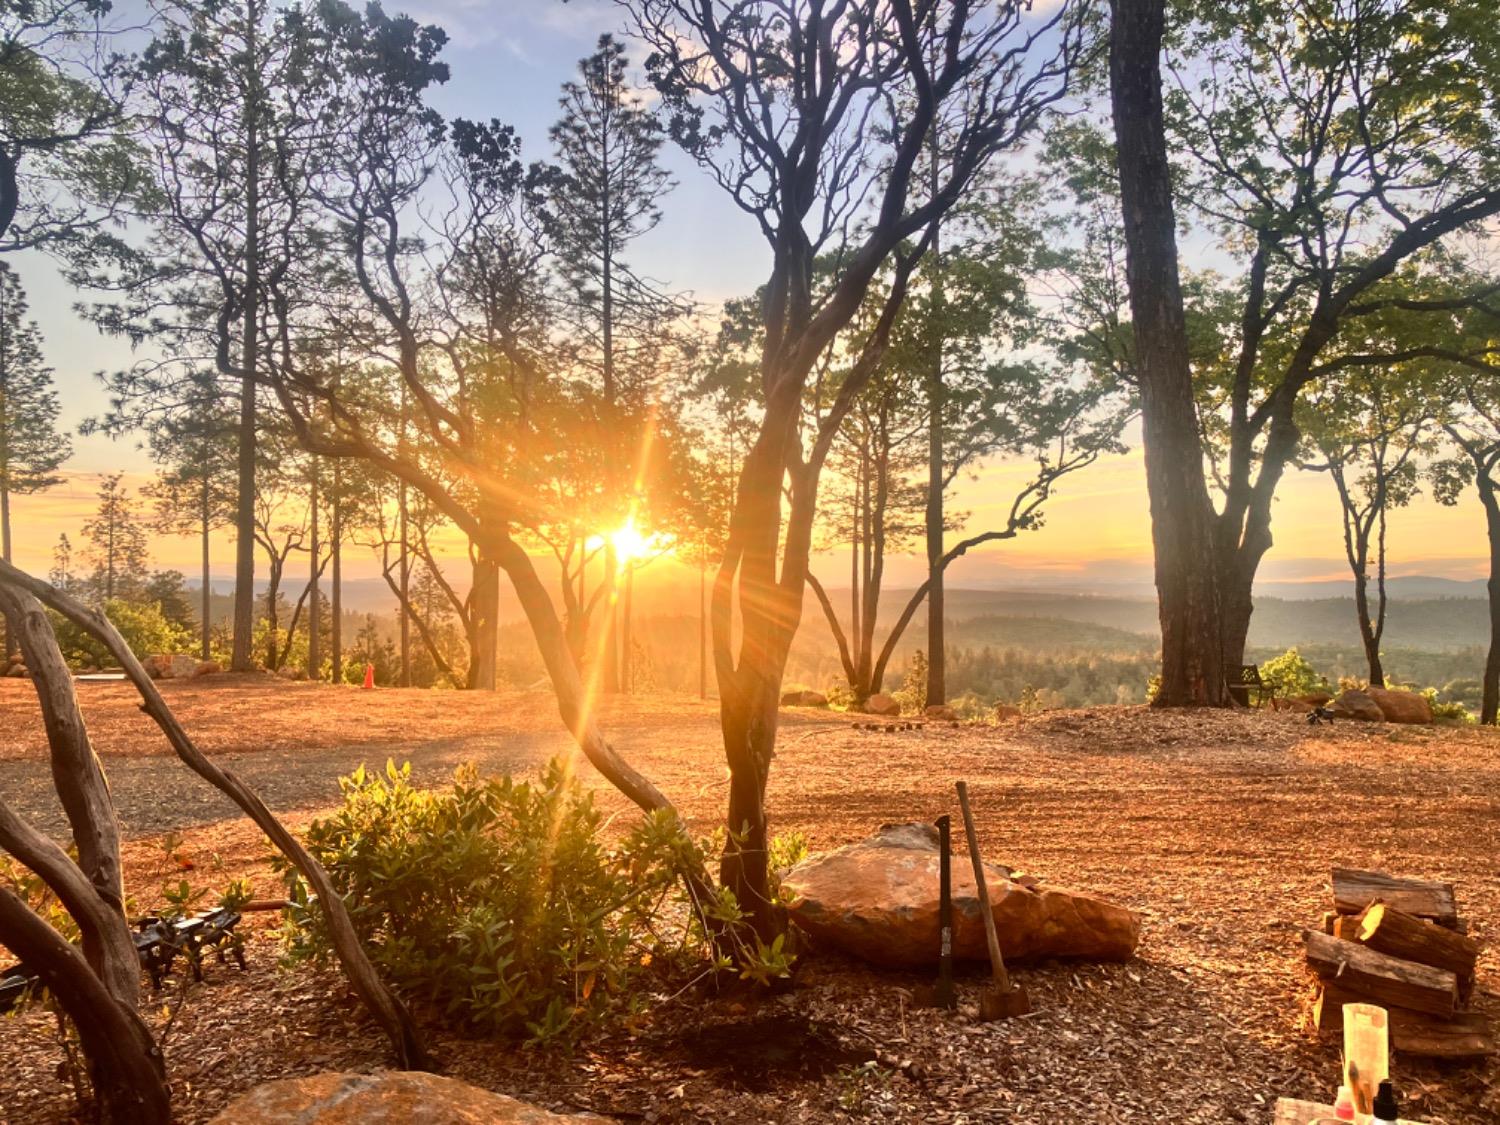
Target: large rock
[882,704]
[207,668]
[384,1098]
[878,900]
[804,699]
[1353,704]
[162,666]
[1401,706]
[1007,713]
[941,712]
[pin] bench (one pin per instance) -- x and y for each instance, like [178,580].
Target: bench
[1245,682]
[158,942]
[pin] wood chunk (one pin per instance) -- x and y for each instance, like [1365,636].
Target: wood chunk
[1346,927]
[1379,978]
[1354,890]
[1468,1035]
[1330,919]
[1387,930]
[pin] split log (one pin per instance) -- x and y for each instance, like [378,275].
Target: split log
[125,1065]
[1468,1035]
[1346,927]
[1387,930]
[383,1004]
[1381,979]
[1354,890]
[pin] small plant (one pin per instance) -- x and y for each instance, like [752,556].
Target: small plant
[857,1083]
[1289,674]
[912,694]
[840,696]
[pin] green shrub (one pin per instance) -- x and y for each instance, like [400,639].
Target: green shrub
[496,900]
[1448,711]
[1290,674]
[143,626]
[912,695]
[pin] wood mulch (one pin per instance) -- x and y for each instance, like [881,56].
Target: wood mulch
[1220,828]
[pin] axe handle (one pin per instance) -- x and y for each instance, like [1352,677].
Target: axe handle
[997,962]
[945,997]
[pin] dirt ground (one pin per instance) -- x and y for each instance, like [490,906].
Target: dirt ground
[1220,829]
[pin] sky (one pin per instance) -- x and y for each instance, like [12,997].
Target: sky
[508,60]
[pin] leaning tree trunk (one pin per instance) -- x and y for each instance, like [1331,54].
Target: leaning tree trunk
[125,1065]
[1182,515]
[92,889]
[388,1011]
[1489,707]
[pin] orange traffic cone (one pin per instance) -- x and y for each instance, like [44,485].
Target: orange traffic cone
[369,676]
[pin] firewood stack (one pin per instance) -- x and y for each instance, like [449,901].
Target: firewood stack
[1399,943]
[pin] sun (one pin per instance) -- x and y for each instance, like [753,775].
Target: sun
[629,543]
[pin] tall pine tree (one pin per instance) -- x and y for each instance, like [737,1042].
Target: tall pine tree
[31,448]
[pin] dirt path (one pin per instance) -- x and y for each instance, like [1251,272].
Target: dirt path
[291,742]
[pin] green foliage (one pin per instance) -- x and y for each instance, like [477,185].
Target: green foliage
[1448,711]
[913,692]
[1290,674]
[144,627]
[496,900]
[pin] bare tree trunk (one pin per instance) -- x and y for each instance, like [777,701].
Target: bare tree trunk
[937,688]
[609,643]
[241,658]
[125,1065]
[703,624]
[1489,708]
[10,638]
[1182,515]
[627,641]
[314,624]
[206,593]
[92,890]
[383,1005]
[484,611]
[336,604]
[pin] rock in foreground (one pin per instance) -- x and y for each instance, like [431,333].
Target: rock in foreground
[878,900]
[385,1098]
[882,704]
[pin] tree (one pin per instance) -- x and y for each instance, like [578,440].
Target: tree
[195,488]
[602,196]
[1369,430]
[65,165]
[31,448]
[1182,513]
[117,542]
[786,105]
[221,88]
[1331,144]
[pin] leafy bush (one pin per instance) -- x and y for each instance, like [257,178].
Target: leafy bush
[912,695]
[1290,674]
[495,900]
[1448,710]
[143,626]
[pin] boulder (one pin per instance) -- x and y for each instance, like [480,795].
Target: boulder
[16,670]
[882,704]
[1006,712]
[1401,706]
[878,900]
[1353,704]
[384,1098]
[164,666]
[1314,698]
[1295,704]
[804,699]
[941,712]
[207,668]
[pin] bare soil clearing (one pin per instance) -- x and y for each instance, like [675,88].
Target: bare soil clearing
[1220,828]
